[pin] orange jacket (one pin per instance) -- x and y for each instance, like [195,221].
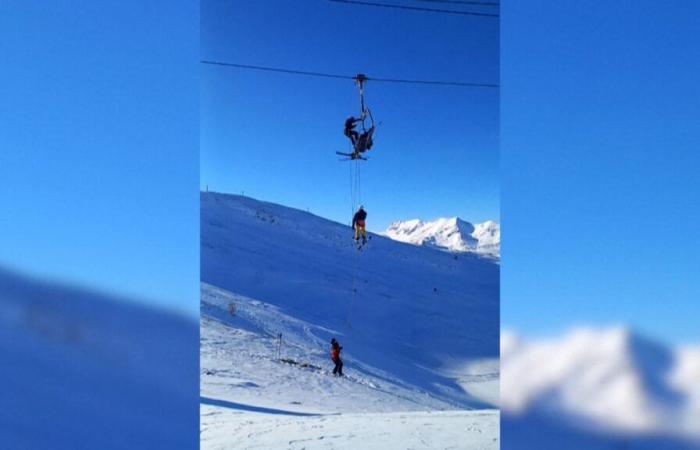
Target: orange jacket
[335,352]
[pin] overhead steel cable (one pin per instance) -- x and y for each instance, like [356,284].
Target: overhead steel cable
[444,83]
[348,77]
[416,8]
[462,2]
[276,69]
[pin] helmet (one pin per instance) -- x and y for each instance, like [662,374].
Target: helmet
[361,207]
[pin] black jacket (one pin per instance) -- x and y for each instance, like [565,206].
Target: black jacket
[350,123]
[359,215]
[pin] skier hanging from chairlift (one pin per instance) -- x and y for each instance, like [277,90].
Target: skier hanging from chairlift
[360,142]
[350,131]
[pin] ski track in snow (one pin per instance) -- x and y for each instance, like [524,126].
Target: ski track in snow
[251,400]
[239,355]
[415,430]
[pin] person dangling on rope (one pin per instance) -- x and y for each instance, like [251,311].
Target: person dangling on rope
[358,224]
[335,357]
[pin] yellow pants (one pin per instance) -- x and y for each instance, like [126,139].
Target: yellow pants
[360,231]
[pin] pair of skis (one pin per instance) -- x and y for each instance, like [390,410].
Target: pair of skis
[350,156]
[359,243]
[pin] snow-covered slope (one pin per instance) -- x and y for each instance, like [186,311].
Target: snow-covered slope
[260,392]
[85,370]
[419,327]
[451,234]
[611,385]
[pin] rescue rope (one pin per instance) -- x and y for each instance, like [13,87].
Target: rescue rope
[356,193]
[352,193]
[355,201]
[359,183]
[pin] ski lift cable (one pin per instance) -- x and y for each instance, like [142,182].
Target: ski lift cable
[347,77]
[444,83]
[463,2]
[276,69]
[416,8]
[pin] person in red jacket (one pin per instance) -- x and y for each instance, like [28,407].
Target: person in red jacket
[335,357]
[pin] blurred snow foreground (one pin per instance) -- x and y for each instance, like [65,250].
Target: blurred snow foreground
[82,370]
[599,389]
[419,329]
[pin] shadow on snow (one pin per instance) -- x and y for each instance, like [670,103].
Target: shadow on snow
[251,408]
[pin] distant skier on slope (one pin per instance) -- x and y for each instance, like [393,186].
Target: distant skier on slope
[358,224]
[335,357]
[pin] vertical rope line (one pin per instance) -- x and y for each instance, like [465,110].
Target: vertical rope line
[359,183]
[353,207]
[356,195]
[352,200]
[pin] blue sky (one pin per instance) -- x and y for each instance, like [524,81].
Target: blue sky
[600,167]
[274,136]
[98,146]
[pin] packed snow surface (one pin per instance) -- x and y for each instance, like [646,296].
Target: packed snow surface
[419,330]
[450,234]
[370,431]
[603,385]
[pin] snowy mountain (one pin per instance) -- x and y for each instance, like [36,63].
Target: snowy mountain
[451,234]
[82,369]
[605,386]
[419,330]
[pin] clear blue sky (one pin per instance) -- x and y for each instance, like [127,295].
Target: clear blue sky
[274,136]
[601,151]
[98,145]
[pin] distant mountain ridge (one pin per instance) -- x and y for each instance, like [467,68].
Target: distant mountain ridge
[610,381]
[450,234]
